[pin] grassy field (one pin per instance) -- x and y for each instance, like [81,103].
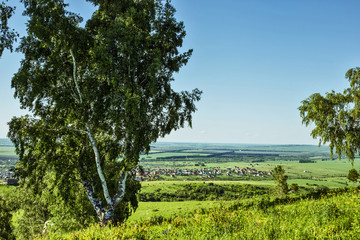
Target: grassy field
[172,186]
[147,210]
[334,215]
[169,198]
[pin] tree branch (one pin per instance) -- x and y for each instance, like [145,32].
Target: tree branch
[98,167]
[94,200]
[76,78]
[121,188]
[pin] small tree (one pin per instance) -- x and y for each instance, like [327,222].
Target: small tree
[353,175]
[280,179]
[294,187]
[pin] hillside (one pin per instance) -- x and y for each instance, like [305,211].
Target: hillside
[322,215]
[213,191]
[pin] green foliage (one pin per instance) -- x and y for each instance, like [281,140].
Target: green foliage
[294,187]
[99,96]
[5,219]
[48,210]
[7,35]
[281,180]
[336,117]
[204,192]
[353,175]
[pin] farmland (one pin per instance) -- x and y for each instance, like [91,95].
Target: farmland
[308,166]
[8,156]
[305,165]
[179,180]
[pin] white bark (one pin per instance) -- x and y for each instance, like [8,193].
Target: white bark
[94,201]
[112,202]
[91,137]
[76,80]
[121,189]
[98,167]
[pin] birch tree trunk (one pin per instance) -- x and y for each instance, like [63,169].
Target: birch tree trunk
[105,215]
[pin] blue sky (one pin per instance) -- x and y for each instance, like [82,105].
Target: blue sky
[255,62]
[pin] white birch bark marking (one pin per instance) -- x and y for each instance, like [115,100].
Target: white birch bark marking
[76,78]
[94,201]
[121,189]
[98,167]
[107,215]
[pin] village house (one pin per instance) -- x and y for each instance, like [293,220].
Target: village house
[154,174]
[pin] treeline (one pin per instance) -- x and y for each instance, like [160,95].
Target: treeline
[306,161]
[205,192]
[254,158]
[231,154]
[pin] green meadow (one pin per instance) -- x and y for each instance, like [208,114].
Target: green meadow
[319,215]
[235,207]
[148,210]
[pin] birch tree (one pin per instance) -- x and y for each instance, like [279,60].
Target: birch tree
[336,117]
[99,96]
[7,35]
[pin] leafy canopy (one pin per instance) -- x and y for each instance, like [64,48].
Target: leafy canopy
[7,35]
[336,117]
[99,96]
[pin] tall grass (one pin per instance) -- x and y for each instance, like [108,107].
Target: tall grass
[334,215]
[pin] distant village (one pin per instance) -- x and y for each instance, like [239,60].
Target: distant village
[155,174]
[8,177]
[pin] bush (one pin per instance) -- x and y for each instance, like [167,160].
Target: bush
[294,187]
[353,175]
[306,161]
[5,220]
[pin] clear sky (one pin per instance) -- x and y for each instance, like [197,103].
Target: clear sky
[255,61]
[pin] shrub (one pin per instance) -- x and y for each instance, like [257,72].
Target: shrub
[5,220]
[294,187]
[353,175]
[281,180]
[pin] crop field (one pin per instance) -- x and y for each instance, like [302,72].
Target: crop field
[8,156]
[7,151]
[325,173]
[308,166]
[305,165]
[166,155]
